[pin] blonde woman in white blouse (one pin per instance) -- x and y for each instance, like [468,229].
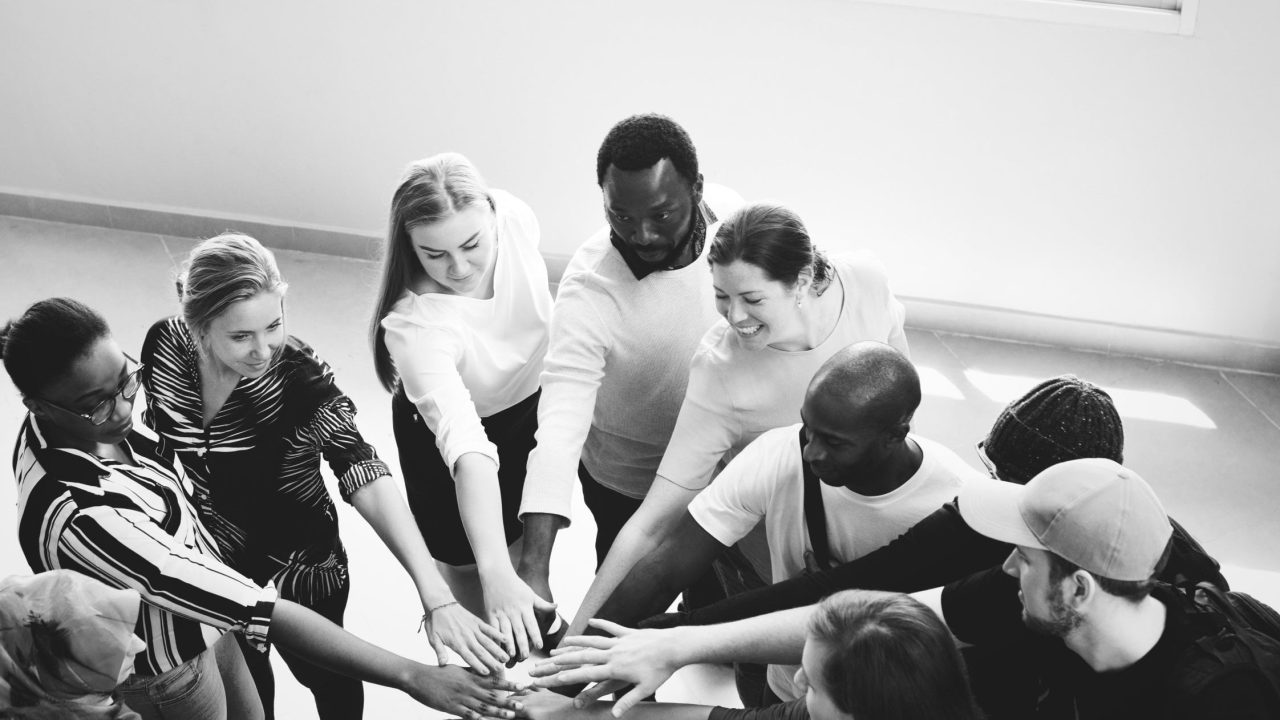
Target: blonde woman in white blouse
[458,336]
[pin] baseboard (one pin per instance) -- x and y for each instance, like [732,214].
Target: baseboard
[922,313]
[180,222]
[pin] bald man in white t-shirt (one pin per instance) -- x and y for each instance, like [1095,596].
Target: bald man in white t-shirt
[874,479]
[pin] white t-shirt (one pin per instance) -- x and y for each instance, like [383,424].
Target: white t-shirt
[462,358]
[735,394]
[617,368]
[766,481]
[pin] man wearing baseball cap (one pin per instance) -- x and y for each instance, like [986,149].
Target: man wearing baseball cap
[1090,536]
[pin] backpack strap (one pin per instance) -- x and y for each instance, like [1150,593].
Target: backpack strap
[815,515]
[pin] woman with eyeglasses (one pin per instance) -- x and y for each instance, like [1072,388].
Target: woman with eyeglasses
[458,335]
[251,411]
[104,498]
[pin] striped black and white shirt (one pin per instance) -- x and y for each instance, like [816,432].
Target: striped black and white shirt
[256,467]
[132,525]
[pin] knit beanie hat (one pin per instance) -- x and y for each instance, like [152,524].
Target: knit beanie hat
[1063,418]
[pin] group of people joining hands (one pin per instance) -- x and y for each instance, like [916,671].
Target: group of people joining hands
[741,436]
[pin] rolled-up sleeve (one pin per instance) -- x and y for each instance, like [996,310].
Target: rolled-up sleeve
[124,548]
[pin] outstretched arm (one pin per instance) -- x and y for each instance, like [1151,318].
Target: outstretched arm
[937,550]
[681,557]
[647,658]
[449,689]
[509,601]
[448,625]
[654,520]
[573,370]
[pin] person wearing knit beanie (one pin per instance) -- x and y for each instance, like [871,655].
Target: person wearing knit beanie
[1062,418]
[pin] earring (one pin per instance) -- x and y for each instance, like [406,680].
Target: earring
[799,298]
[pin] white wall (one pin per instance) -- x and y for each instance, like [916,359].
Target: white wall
[1089,173]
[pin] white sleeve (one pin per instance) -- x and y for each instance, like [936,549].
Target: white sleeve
[737,501]
[426,360]
[574,367]
[707,427]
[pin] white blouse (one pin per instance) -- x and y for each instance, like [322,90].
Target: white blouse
[461,358]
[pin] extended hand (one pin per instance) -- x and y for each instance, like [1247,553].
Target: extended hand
[476,642]
[513,608]
[644,658]
[460,692]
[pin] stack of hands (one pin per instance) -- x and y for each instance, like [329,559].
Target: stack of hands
[636,659]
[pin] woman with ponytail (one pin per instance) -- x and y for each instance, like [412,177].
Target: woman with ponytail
[251,411]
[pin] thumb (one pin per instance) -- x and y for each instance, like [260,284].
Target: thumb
[441,650]
[543,605]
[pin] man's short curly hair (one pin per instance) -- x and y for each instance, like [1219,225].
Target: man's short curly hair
[640,141]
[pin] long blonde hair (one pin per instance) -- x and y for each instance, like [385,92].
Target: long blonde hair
[433,188]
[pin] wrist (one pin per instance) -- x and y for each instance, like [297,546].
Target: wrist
[686,646]
[434,600]
[408,674]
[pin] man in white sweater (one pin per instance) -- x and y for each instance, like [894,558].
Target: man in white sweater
[632,305]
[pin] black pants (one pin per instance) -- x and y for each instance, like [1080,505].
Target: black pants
[338,697]
[432,496]
[610,508]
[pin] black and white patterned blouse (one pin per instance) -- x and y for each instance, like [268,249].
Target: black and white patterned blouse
[256,468]
[132,525]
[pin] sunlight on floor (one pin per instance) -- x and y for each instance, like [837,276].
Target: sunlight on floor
[933,382]
[1138,404]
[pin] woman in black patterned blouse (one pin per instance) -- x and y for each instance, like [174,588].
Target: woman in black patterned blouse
[250,411]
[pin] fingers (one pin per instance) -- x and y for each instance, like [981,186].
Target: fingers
[476,663]
[503,625]
[584,641]
[487,652]
[520,632]
[573,676]
[441,650]
[531,627]
[490,632]
[597,691]
[505,684]
[629,700]
[544,668]
[542,605]
[489,706]
[612,628]
[581,656]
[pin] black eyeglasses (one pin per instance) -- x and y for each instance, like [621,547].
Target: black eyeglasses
[103,410]
[986,461]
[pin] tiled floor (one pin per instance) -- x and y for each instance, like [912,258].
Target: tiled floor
[1212,455]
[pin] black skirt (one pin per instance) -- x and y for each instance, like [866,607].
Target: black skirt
[432,496]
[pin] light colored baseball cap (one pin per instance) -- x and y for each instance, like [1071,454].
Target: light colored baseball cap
[1093,512]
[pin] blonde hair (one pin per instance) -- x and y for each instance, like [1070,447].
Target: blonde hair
[433,188]
[220,272]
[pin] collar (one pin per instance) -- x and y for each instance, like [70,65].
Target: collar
[82,467]
[697,236]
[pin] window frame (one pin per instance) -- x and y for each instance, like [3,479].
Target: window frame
[1073,12]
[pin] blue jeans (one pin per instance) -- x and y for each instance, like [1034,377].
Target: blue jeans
[191,691]
[214,684]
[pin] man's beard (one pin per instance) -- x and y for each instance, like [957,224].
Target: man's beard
[1061,621]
